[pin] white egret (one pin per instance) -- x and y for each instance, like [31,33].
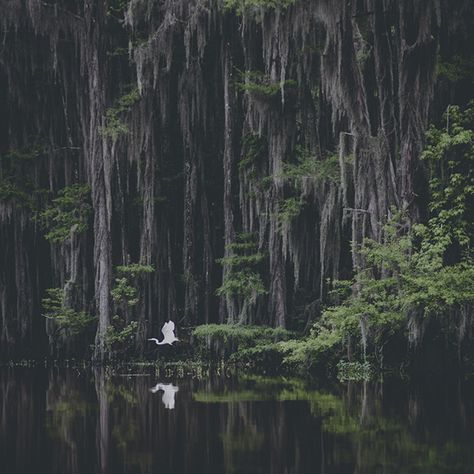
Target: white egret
[168,334]
[169,391]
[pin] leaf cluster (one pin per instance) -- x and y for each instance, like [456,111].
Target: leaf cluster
[242,6]
[243,278]
[426,269]
[68,214]
[307,166]
[16,186]
[125,288]
[260,85]
[114,125]
[55,308]
[119,333]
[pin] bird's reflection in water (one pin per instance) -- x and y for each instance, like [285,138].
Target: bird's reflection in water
[169,392]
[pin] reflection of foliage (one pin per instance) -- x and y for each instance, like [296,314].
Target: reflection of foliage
[65,411]
[258,388]
[357,371]
[245,441]
[55,307]
[356,425]
[68,214]
[120,392]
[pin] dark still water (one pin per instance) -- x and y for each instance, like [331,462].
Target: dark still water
[77,421]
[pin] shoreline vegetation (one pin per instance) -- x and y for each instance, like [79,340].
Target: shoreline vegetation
[407,306]
[321,220]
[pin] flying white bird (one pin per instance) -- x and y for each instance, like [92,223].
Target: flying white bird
[169,391]
[168,334]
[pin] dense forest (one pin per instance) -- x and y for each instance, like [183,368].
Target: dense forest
[294,178]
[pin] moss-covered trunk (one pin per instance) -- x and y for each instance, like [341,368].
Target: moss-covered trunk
[296,127]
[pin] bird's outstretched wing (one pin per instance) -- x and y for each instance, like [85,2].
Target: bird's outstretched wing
[168,329]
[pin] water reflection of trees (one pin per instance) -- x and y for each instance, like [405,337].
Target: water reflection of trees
[96,423]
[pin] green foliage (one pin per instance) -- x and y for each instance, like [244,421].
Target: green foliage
[247,284]
[261,86]
[425,269]
[289,209]
[241,260]
[116,9]
[11,193]
[119,333]
[221,341]
[450,157]
[55,308]
[114,126]
[124,291]
[69,213]
[262,358]
[242,279]
[456,69]
[125,295]
[307,166]
[241,6]
[135,269]
[16,187]
[254,148]
[354,371]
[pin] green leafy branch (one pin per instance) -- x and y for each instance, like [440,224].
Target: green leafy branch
[55,308]
[114,126]
[125,290]
[242,279]
[68,214]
